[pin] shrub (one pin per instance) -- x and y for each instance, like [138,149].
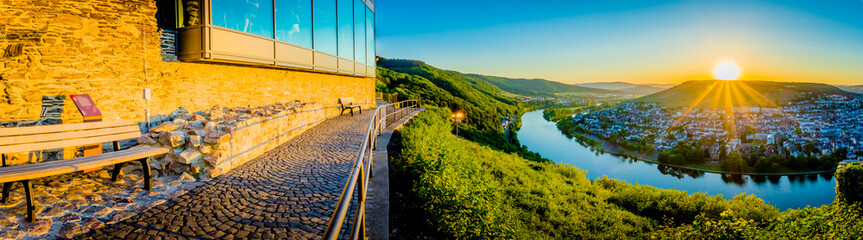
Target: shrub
[849,184]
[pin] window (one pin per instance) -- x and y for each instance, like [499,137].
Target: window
[190,13]
[251,16]
[294,22]
[360,32]
[346,29]
[370,37]
[325,26]
[166,14]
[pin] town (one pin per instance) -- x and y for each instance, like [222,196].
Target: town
[821,126]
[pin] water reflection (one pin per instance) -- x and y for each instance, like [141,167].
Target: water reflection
[793,191]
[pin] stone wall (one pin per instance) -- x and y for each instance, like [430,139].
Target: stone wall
[112,50]
[209,143]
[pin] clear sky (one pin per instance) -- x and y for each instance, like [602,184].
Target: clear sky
[641,41]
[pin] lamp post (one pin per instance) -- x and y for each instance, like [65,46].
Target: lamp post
[458,115]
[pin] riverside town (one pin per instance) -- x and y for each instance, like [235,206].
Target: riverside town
[382,119]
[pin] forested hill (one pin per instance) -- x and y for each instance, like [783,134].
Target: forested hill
[481,101]
[535,87]
[719,94]
[498,85]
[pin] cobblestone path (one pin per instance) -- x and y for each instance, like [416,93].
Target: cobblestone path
[287,193]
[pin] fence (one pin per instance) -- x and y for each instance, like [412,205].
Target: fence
[387,97]
[384,116]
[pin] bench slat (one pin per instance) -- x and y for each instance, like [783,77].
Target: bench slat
[67,143]
[47,137]
[44,169]
[346,100]
[63,127]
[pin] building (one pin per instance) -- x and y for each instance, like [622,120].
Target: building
[142,59]
[153,60]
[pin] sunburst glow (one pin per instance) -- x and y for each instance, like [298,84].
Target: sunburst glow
[726,70]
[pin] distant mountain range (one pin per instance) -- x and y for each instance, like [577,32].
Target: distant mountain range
[719,94]
[535,87]
[850,88]
[640,89]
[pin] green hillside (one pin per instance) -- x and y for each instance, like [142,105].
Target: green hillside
[720,94]
[535,87]
[445,187]
[481,101]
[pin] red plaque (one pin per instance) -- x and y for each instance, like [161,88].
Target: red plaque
[86,105]
[90,113]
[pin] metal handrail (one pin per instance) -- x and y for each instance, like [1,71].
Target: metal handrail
[361,171]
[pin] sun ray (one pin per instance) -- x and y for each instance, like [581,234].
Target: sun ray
[694,104]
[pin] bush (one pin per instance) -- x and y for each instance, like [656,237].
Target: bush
[849,184]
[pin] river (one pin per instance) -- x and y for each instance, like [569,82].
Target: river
[784,192]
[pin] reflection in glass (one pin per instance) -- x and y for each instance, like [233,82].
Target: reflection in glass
[325,26]
[346,29]
[294,22]
[251,16]
[360,32]
[190,13]
[370,37]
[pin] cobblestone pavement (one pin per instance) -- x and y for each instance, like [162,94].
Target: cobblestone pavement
[287,193]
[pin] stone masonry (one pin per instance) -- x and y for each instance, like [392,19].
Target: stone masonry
[286,193]
[209,143]
[112,50]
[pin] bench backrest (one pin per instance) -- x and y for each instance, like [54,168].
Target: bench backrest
[346,100]
[25,139]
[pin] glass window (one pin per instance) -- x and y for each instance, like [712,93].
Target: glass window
[251,16]
[360,31]
[346,29]
[325,26]
[294,22]
[189,13]
[370,37]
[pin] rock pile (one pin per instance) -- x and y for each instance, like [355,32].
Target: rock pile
[200,141]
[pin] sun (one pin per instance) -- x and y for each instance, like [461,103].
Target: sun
[726,70]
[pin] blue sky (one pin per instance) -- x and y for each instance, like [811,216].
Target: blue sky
[633,41]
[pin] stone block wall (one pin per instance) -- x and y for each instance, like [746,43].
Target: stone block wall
[112,50]
[209,143]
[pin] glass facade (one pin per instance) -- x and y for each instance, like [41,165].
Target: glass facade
[325,26]
[294,22]
[298,29]
[360,32]
[370,38]
[346,29]
[251,16]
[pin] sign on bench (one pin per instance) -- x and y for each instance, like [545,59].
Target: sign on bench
[38,138]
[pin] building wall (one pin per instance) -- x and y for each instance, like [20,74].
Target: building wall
[104,48]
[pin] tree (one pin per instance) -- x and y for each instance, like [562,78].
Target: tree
[763,165]
[734,163]
[776,159]
[809,148]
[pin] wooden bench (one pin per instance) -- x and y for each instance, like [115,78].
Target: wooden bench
[348,104]
[27,139]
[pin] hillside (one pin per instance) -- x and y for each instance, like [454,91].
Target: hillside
[535,87]
[721,94]
[854,89]
[444,187]
[481,101]
[640,89]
